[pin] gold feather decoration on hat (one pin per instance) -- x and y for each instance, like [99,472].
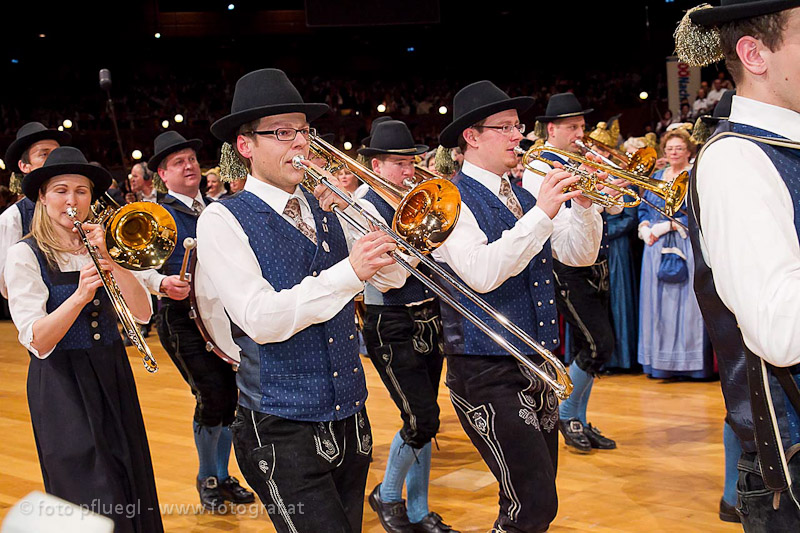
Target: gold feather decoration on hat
[159,185]
[540,129]
[697,45]
[701,132]
[443,162]
[15,182]
[231,167]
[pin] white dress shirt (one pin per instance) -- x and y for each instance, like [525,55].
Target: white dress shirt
[10,234]
[485,266]
[749,238]
[152,197]
[264,314]
[28,293]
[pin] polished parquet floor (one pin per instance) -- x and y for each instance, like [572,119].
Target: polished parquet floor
[666,474]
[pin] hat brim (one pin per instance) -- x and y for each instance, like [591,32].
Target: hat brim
[551,118]
[722,14]
[99,176]
[450,134]
[418,149]
[156,160]
[18,147]
[225,128]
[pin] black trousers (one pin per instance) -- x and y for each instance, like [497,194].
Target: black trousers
[212,380]
[404,344]
[510,416]
[582,296]
[756,502]
[310,476]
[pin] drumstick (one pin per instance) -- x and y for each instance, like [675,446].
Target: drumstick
[188,245]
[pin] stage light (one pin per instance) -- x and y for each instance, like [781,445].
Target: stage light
[643,95]
[178,118]
[348,145]
[61,128]
[165,124]
[157,35]
[42,35]
[410,49]
[67,123]
[381,108]
[14,61]
[136,154]
[230,7]
[443,110]
[2,165]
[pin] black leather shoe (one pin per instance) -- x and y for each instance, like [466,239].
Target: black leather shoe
[432,523]
[574,437]
[596,438]
[210,496]
[393,515]
[232,491]
[727,513]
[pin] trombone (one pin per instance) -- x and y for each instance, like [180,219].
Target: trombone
[641,162]
[673,192]
[139,236]
[442,213]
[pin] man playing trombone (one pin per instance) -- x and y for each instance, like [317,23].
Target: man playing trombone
[282,269]
[582,292]
[501,247]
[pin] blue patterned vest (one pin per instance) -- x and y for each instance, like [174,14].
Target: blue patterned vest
[413,290]
[26,208]
[527,299]
[186,221]
[315,375]
[604,242]
[96,325]
[721,323]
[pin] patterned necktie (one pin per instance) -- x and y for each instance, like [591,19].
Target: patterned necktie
[197,207]
[511,201]
[292,210]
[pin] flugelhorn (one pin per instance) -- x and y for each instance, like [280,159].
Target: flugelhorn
[561,384]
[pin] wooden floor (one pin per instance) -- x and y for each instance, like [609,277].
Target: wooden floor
[666,474]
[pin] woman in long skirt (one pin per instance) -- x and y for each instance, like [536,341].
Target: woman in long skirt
[671,335]
[84,407]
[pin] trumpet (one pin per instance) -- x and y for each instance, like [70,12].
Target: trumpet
[587,180]
[445,214]
[641,162]
[138,237]
[673,192]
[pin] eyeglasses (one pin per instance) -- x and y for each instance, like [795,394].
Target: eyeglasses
[287,134]
[675,149]
[506,128]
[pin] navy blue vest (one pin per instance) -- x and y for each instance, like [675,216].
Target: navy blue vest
[186,221]
[527,299]
[721,323]
[604,242]
[26,208]
[315,375]
[96,325]
[413,290]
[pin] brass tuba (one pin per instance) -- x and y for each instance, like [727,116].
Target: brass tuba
[421,216]
[139,236]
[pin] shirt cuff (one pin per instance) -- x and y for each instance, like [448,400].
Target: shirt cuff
[346,278]
[586,215]
[26,339]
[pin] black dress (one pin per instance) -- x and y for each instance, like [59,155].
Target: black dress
[86,416]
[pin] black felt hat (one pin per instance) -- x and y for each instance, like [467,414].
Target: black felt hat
[392,137]
[167,143]
[365,141]
[29,134]
[66,160]
[263,93]
[563,105]
[730,10]
[474,103]
[722,110]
